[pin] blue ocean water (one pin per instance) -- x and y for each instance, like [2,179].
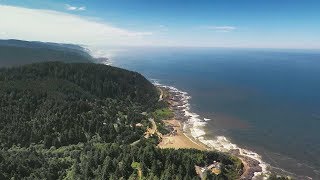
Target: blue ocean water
[262,99]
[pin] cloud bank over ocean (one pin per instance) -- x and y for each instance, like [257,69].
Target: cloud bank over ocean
[48,25]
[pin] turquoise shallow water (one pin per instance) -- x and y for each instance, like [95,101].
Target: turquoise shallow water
[264,100]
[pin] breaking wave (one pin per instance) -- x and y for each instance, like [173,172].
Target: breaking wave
[195,125]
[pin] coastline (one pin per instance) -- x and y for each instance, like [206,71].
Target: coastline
[222,143]
[179,139]
[254,168]
[189,134]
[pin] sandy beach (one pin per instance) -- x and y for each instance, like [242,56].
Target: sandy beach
[179,139]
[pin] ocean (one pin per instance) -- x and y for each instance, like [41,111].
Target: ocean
[266,101]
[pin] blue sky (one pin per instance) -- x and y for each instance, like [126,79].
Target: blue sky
[213,23]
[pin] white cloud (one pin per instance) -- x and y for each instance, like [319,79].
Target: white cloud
[82,8]
[75,8]
[46,25]
[163,28]
[221,28]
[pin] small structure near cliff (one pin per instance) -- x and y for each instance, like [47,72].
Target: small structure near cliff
[214,168]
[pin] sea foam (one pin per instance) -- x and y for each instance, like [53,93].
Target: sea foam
[196,125]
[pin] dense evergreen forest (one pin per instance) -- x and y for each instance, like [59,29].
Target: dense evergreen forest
[79,121]
[17,52]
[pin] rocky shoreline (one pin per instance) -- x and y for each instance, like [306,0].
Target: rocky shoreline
[177,102]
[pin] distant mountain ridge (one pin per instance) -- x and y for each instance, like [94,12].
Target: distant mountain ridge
[39,44]
[17,52]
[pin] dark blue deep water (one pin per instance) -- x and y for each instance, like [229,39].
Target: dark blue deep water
[265,100]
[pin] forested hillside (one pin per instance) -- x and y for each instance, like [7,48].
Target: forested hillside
[16,52]
[79,121]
